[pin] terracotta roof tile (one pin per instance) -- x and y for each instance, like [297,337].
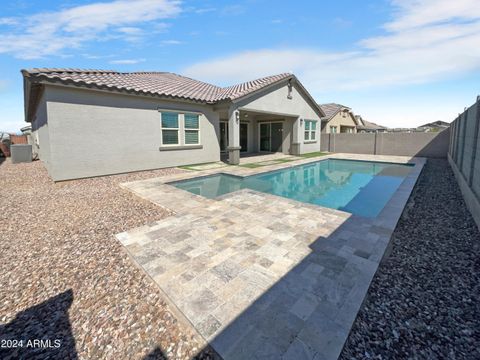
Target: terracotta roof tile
[155,83]
[331,109]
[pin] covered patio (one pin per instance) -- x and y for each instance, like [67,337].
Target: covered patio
[249,136]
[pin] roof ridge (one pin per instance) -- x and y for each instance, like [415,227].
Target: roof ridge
[69,70]
[259,79]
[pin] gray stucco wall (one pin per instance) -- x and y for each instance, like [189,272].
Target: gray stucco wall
[40,133]
[96,133]
[464,156]
[275,100]
[433,145]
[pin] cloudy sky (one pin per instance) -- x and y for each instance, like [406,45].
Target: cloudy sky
[399,63]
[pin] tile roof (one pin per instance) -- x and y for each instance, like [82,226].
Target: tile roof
[153,83]
[370,125]
[331,109]
[239,90]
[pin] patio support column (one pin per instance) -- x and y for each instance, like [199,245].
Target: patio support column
[297,136]
[233,136]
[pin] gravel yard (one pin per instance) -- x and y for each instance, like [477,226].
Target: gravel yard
[64,276]
[424,300]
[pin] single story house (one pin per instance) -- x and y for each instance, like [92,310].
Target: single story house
[435,126]
[93,122]
[365,126]
[338,119]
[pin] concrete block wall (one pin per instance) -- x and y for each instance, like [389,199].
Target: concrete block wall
[464,156]
[434,145]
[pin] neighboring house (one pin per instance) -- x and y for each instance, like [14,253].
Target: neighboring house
[435,126]
[365,126]
[93,122]
[338,119]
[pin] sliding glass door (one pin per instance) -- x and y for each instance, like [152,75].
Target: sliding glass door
[224,136]
[271,136]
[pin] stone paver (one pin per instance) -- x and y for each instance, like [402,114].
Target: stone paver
[263,158]
[208,166]
[259,275]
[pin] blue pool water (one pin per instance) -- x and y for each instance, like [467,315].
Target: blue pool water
[358,187]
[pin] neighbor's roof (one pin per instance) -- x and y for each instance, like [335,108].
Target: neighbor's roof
[153,83]
[331,109]
[370,125]
[438,123]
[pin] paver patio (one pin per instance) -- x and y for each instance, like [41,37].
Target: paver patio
[259,275]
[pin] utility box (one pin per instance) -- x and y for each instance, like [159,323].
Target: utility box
[21,153]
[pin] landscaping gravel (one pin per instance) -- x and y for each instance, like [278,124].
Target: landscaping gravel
[424,300]
[63,275]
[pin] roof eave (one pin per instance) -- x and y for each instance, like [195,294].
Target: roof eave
[90,86]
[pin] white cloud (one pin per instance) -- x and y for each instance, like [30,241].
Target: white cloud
[204,10]
[440,43]
[171,42]
[416,13]
[49,33]
[127,61]
[8,21]
[96,57]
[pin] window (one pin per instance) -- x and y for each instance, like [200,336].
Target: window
[333,129]
[179,128]
[192,129]
[310,130]
[169,128]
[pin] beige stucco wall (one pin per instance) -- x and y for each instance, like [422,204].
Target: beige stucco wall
[96,133]
[338,120]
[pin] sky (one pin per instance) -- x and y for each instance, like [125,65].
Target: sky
[398,63]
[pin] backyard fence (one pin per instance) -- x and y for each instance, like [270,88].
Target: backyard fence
[434,144]
[464,156]
[18,139]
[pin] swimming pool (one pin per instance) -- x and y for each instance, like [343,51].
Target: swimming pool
[358,187]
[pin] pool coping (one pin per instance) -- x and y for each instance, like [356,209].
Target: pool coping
[238,171]
[381,226]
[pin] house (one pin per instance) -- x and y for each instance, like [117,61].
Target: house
[365,126]
[435,126]
[94,122]
[338,119]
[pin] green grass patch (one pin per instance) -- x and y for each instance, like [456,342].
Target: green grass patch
[313,154]
[285,160]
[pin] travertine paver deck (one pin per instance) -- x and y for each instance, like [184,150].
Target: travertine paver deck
[259,275]
[256,158]
[208,166]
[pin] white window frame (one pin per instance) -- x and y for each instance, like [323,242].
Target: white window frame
[312,130]
[170,129]
[332,127]
[191,129]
